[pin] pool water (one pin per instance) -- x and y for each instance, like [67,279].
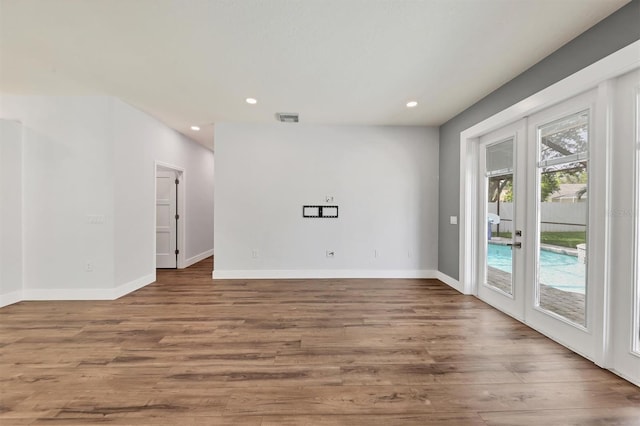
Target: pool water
[557,270]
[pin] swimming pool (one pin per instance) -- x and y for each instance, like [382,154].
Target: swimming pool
[557,270]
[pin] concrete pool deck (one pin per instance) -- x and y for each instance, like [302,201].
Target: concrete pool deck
[567,304]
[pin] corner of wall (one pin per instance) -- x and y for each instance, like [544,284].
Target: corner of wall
[10,298]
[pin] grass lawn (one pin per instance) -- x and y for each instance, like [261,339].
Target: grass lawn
[563,239]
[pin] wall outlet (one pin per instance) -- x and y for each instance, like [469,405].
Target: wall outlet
[409,254]
[254,254]
[331,253]
[376,253]
[88,267]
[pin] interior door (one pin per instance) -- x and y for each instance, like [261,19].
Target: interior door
[502,183]
[566,217]
[165,220]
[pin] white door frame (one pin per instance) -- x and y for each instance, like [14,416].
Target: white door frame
[635,344]
[636,228]
[181,206]
[595,75]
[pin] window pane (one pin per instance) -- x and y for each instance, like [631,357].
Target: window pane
[500,156]
[565,138]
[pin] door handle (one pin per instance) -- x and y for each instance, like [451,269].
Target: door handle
[516,245]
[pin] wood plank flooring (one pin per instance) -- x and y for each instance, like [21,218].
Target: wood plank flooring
[188,350]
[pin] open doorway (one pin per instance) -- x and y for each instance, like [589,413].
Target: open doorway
[170,217]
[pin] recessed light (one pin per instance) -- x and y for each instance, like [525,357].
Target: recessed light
[195,128]
[252,101]
[412,104]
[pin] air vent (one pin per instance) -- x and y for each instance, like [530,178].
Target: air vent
[287,117]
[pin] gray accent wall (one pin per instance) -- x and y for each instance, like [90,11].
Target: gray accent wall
[610,35]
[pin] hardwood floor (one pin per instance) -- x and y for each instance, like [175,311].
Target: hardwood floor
[187,350]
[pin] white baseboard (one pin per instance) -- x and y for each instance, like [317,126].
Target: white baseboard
[624,376]
[77,293]
[451,282]
[323,273]
[197,258]
[68,294]
[10,298]
[132,286]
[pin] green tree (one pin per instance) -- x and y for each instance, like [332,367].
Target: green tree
[507,192]
[548,185]
[576,173]
[500,188]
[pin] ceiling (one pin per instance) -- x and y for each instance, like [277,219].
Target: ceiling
[194,62]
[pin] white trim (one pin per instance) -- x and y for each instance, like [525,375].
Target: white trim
[168,166]
[23,238]
[68,294]
[468,251]
[197,258]
[626,377]
[132,286]
[618,63]
[77,293]
[451,282]
[635,308]
[10,298]
[323,273]
[599,230]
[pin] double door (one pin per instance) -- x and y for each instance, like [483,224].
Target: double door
[544,230]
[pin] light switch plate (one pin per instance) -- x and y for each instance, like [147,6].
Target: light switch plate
[453,220]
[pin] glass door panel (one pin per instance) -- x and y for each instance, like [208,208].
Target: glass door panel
[561,285]
[499,213]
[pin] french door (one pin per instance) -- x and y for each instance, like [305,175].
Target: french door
[625,228]
[502,197]
[566,192]
[536,243]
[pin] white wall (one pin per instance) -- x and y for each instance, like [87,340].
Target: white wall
[140,141]
[384,179]
[10,212]
[67,176]
[88,195]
